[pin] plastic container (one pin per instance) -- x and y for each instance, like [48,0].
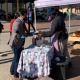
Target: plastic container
[59,68]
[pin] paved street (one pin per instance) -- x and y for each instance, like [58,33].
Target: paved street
[6,54]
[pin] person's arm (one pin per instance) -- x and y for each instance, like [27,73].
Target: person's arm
[54,25]
[11,23]
[21,30]
[25,27]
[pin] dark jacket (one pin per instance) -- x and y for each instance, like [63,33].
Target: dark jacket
[11,23]
[57,24]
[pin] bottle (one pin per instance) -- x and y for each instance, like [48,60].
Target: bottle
[36,39]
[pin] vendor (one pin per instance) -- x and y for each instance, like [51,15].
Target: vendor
[59,33]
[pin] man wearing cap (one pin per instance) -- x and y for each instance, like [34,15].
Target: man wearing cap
[1,27]
[58,32]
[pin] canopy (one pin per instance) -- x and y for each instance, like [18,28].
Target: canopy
[48,3]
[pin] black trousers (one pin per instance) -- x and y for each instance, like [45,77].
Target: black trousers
[30,22]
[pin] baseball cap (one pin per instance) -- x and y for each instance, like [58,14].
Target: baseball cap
[51,10]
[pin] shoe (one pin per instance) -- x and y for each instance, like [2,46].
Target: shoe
[69,64]
[16,78]
[11,73]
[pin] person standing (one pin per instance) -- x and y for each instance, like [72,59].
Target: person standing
[59,34]
[30,19]
[16,42]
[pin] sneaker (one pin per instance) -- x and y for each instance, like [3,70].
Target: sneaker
[11,73]
[15,78]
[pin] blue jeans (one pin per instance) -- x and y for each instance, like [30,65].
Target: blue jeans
[15,61]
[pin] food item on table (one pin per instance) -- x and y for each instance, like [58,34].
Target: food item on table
[76,33]
[35,38]
[36,31]
[78,30]
[39,37]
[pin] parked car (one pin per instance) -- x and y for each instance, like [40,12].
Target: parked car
[40,15]
[3,14]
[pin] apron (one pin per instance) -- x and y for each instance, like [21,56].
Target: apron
[55,40]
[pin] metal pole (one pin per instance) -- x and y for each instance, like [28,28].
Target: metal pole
[47,12]
[1,6]
[62,9]
[6,9]
[69,20]
[17,5]
[35,17]
[22,4]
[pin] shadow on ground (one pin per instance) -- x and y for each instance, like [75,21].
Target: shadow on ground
[75,52]
[5,53]
[6,60]
[74,71]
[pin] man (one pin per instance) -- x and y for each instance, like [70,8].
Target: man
[16,42]
[30,19]
[59,33]
[12,21]
[1,27]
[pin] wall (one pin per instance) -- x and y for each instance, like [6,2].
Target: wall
[4,7]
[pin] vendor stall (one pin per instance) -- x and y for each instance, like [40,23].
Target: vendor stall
[36,61]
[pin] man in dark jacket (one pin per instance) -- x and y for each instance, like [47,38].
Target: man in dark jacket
[59,33]
[16,42]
